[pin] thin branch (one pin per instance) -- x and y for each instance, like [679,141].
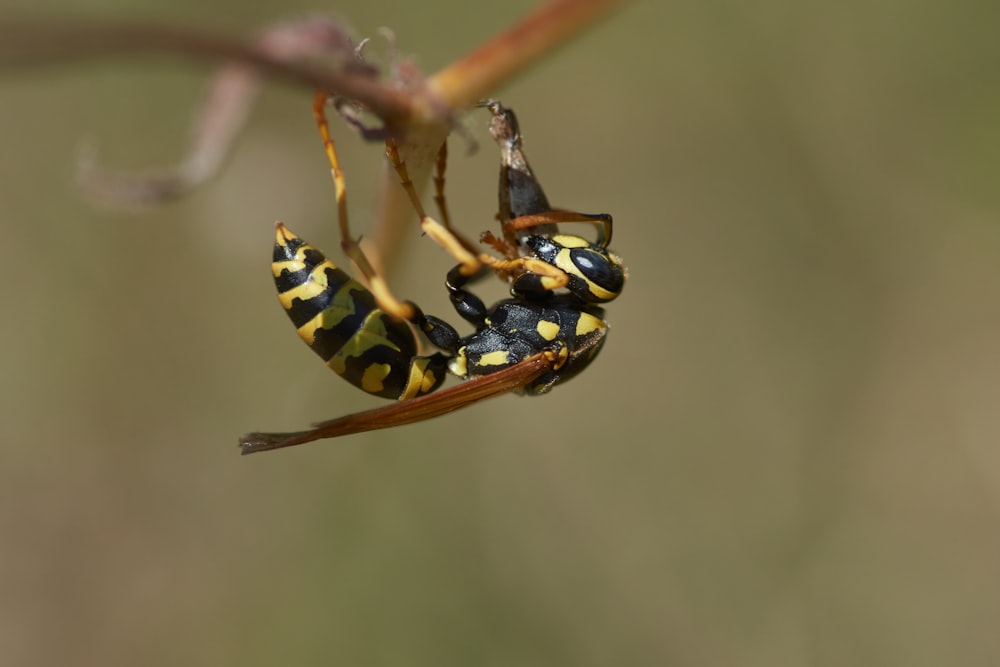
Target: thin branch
[37,42]
[479,73]
[222,113]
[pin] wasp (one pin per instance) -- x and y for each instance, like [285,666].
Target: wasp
[548,331]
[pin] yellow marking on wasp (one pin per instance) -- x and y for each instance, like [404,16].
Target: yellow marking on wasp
[337,364]
[290,265]
[372,333]
[588,323]
[547,330]
[561,357]
[283,237]
[570,241]
[304,292]
[420,381]
[459,364]
[565,262]
[313,286]
[307,331]
[495,358]
[373,379]
[599,292]
[282,234]
[430,381]
[341,308]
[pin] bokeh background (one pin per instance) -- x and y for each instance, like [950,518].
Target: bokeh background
[787,453]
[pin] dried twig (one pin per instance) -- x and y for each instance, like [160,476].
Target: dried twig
[479,73]
[421,113]
[223,112]
[34,42]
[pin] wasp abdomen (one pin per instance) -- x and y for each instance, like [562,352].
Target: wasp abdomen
[339,319]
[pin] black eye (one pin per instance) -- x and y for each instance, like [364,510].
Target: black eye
[584,261]
[599,269]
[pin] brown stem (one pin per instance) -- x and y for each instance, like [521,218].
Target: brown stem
[479,73]
[26,43]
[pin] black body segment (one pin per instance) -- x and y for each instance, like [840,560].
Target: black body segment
[519,328]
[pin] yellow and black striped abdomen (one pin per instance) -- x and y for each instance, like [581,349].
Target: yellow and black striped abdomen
[338,318]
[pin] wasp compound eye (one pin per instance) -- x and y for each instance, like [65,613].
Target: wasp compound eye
[601,273]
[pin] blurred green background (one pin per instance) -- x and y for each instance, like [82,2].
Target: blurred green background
[787,453]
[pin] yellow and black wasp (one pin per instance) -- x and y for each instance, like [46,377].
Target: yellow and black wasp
[548,331]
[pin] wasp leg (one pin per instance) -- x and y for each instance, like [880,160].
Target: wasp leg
[603,220]
[549,277]
[440,167]
[442,234]
[468,305]
[500,245]
[403,310]
[441,334]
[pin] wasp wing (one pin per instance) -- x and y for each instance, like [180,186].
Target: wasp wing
[410,411]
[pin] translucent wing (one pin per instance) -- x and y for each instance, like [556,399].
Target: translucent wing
[408,412]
